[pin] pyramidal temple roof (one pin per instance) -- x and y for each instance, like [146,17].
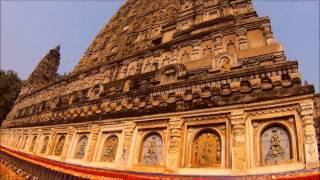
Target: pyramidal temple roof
[137,26]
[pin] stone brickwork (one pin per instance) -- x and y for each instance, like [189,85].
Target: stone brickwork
[176,86]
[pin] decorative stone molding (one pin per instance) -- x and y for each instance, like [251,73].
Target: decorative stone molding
[217,44]
[95,129]
[239,153]
[129,127]
[268,34]
[174,149]
[70,133]
[243,39]
[310,142]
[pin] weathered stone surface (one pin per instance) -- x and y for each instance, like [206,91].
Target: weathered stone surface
[175,86]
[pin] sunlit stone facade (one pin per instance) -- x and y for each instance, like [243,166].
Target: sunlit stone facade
[173,86]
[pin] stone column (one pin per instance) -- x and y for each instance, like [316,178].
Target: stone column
[51,142]
[174,142]
[93,141]
[310,142]
[66,146]
[238,149]
[129,127]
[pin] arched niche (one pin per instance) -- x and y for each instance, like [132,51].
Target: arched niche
[151,150]
[44,144]
[24,143]
[81,146]
[110,149]
[33,143]
[206,149]
[59,146]
[224,62]
[275,145]
[170,74]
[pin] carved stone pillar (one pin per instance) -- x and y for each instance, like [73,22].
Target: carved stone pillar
[268,34]
[67,143]
[174,142]
[51,142]
[310,142]
[243,39]
[128,133]
[239,156]
[93,141]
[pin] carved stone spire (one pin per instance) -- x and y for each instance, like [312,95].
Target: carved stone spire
[45,72]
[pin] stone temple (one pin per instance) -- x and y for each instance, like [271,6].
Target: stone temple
[168,89]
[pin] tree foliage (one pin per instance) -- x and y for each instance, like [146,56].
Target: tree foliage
[10,85]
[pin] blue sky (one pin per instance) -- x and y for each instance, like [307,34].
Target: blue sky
[30,28]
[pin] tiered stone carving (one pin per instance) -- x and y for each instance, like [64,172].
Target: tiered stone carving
[92,142]
[128,132]
[68,138]
[175,140]
[310,141]
[239,141]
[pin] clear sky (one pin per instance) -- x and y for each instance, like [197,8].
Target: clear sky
[30,28]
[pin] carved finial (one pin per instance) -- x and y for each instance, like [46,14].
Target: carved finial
[57,48]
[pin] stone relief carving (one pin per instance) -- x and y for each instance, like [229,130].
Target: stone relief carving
[33,143]
[185,56]
[152,150]
[275,146]
[81,147]
[110,149]
[206,149]
[59,146]
[196,51]
[44,144]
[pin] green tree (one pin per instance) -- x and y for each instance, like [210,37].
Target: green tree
[10,86]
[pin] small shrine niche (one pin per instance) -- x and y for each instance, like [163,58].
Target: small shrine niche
[275,146]
[225,64]
[33,142]
[152,150]
[44,145]
[81,147]
[206,149]
[168,76]
[59,146]
[95,92]
[110,149]
[231,48]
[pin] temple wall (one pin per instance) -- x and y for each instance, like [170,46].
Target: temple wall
[256,138]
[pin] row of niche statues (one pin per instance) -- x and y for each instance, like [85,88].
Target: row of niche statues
[183,55]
